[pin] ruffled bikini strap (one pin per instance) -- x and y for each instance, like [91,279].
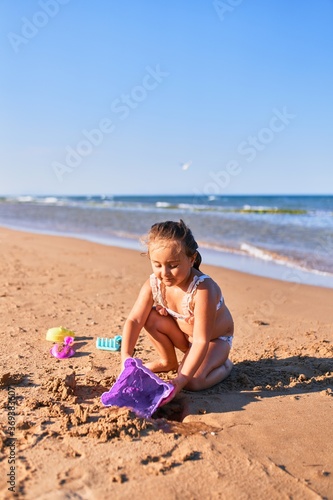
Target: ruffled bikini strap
[188,297]
[155,289]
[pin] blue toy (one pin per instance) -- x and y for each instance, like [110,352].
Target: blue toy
[108,344]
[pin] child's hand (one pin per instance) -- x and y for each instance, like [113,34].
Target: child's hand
[168,398]
[179,383]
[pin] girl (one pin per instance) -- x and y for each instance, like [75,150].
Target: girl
[180,307]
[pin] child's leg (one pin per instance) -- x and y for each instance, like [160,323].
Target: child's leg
[215,367]
[165,335]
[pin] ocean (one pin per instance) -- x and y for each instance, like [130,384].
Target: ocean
[284,237]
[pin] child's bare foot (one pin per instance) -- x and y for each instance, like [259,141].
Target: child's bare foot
[160,366]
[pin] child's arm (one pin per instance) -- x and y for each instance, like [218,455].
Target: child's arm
[204,323]
[136,320]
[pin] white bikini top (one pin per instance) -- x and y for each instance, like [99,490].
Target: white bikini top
[187,301]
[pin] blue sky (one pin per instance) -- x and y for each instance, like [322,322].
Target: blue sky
[112,97]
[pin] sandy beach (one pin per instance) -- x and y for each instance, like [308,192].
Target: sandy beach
[265,432]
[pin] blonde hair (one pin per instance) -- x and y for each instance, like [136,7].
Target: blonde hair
[178,231]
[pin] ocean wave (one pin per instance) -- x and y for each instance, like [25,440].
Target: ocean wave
[248,250]
[259,253]
[267,255]
[163,204]
[49,199]
[24,199]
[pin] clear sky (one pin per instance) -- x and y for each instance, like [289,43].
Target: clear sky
[161,97]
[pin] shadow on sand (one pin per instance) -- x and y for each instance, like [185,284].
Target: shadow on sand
[251,381]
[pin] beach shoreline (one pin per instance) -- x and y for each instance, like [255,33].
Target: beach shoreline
[281,270]
[260,235]
[264,432]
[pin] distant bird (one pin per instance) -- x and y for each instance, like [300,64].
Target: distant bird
[186,165]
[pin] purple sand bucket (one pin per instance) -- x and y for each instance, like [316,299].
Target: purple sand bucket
[138,388]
